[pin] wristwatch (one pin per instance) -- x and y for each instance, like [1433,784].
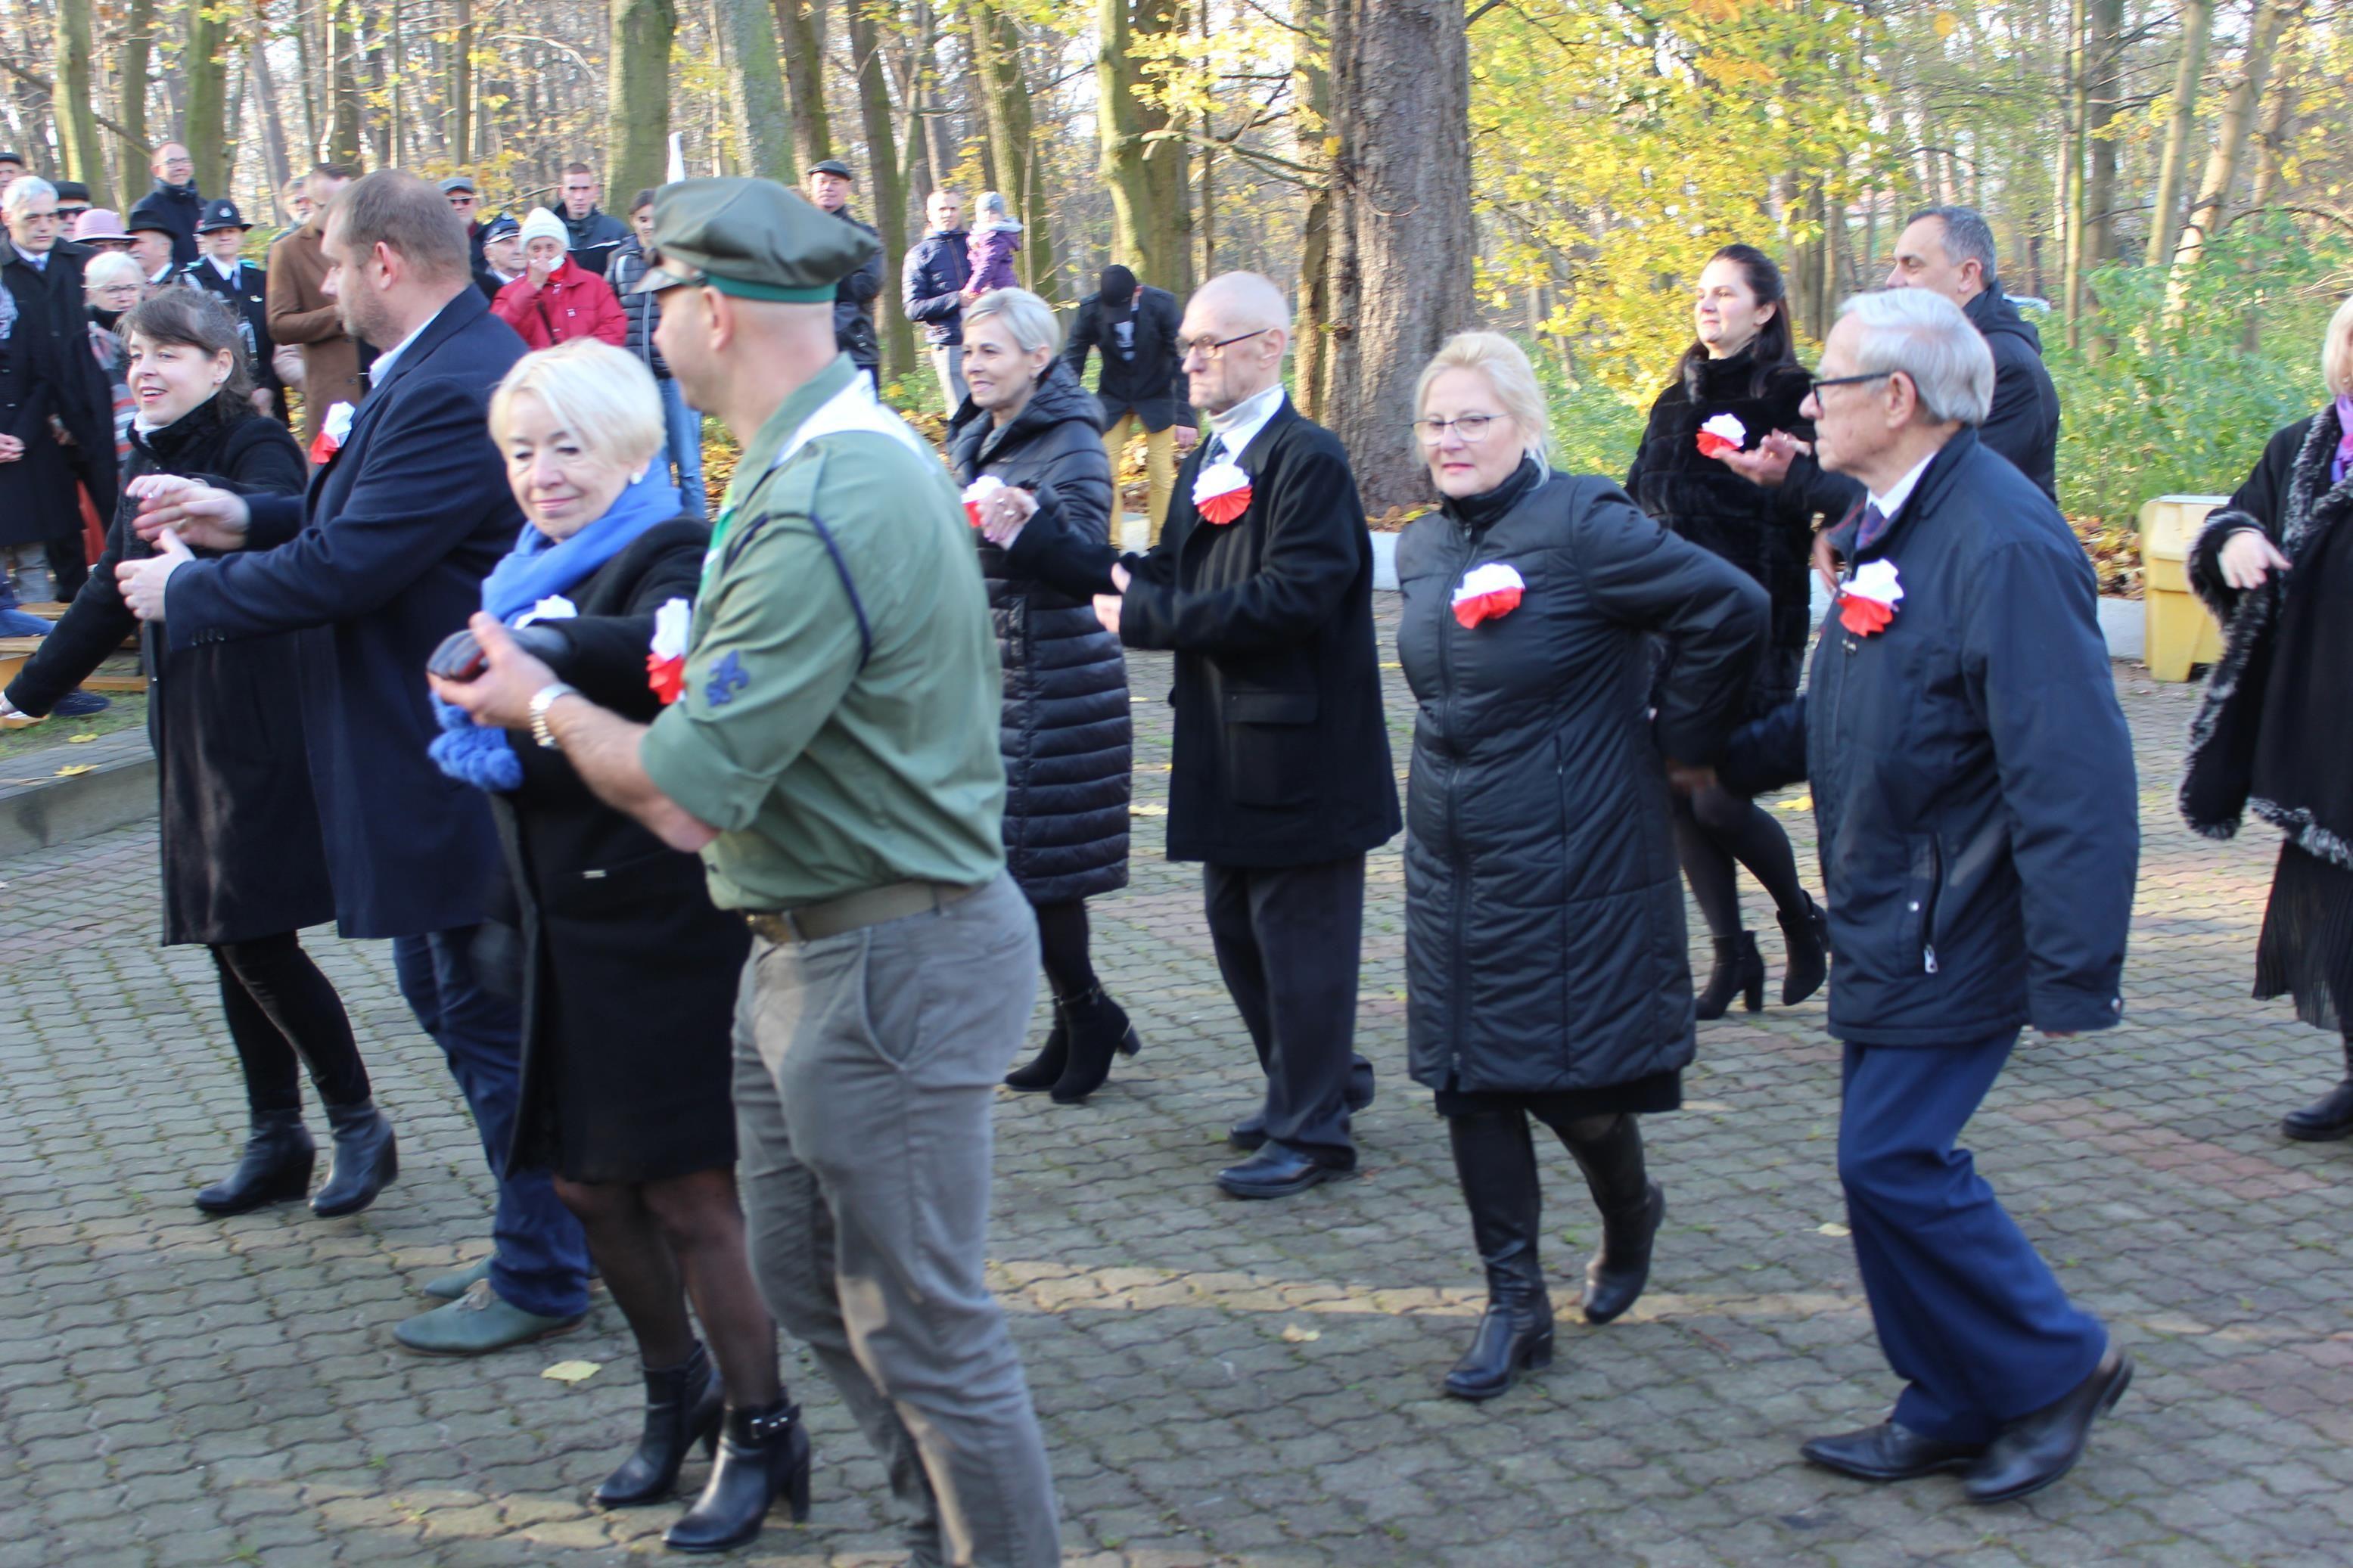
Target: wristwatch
[541,700]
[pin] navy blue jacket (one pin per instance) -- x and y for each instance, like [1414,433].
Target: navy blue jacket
[381,560]
[2023,424]
[176,208]
[1972,777]
[931,286]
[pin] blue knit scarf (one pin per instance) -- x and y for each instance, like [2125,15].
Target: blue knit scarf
[537,568]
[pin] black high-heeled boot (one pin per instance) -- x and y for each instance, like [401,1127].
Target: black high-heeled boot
[1496,1163]
[1632,1207]
[367,1160]
[1739,971]
[274,1169]
[2329,1118]
[1045,1069]
[1099,1030]
[765,1452]
[1806,943]
[683,1407]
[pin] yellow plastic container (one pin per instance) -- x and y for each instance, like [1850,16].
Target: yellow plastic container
[2181,634]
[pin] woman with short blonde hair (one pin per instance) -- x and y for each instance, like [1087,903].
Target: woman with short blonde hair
[603,394]
[1544,966]
[2275,566]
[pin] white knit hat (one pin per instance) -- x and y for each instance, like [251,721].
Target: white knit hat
[544,225]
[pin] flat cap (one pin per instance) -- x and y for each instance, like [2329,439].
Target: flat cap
[751,238]
[832,166]
[220,212]
[458,183]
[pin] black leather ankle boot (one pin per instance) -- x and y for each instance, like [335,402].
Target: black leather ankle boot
[2329,1118]
[1045,1069]
[1807,942]
[1099,1031]
[1632,1206]
[764,1453]
[367,1160]
[274,1169]
[683,1406]
[1497,1165]
[1739,971]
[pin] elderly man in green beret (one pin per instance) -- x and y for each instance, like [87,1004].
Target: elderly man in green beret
[832,752]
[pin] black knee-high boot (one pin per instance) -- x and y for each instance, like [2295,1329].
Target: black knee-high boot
[1496,1161]
[1632,1206]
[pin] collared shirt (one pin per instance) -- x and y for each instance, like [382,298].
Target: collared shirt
[384,361]
[1238,426]
[1901,491]
[830,769]
[227,269]
[37,260]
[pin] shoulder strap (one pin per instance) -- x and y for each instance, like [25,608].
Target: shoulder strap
[760,520]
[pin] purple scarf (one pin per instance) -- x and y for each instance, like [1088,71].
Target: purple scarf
[2344,439]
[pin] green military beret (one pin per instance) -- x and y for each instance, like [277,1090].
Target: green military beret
[752,238]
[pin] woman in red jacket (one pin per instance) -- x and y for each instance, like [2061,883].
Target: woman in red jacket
[557,300]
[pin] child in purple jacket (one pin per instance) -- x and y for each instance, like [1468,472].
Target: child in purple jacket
[996,236]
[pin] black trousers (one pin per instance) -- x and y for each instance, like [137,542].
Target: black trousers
[1289,938]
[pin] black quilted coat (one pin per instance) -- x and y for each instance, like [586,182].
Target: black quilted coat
[1065,731]
[1767,533]
[1543,905]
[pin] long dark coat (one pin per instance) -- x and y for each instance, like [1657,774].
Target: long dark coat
[629,975]
[1064,730]
[1972,777]
[1545,943]
[1282,750]
[381,559]
[241,850]
[2269,736]
[1767,532]
[47,369]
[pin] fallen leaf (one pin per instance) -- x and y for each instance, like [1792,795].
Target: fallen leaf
[1804,802]
[1833,1228]
[78,739]
[1143,810]
[572,1371]
[76,770]
[1299,1336]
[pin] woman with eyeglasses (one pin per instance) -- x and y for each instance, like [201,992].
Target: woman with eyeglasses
[1545,968]
[1743,363]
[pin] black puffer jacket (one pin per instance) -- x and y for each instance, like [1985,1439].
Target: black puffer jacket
[1766,533]
[2023,424]
[1065,730]
[1543,905]
[642,311]
[1972,777]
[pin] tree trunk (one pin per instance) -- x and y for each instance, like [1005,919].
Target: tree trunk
[800,32]
[888,195]
[997,58]
[759,121]
[1311,352]
[74,104]
[2279,113]
[343,64]
[2272,17]
[2197,22]
[1143,175]
[138,53]
[637,97]
[2107,93]
[204,66]
[2071,243]
[1403,245]
[461,85]
[277,166]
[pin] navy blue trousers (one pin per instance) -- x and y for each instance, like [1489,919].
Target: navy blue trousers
[1968,1314]
[542,1261]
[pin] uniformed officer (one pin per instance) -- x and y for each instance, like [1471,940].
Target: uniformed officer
[221,269]
[833,753]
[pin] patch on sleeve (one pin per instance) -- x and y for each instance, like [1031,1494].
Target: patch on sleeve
[727,677]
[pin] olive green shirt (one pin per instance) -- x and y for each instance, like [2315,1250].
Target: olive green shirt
[830,766]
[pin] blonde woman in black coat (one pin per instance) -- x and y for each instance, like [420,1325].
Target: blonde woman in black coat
[2275,566]
[1065,733]
[244,866]
[1546,968]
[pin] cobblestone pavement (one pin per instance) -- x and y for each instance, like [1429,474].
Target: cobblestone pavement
[1220,1382]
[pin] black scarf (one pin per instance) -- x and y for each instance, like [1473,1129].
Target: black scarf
[1478,512]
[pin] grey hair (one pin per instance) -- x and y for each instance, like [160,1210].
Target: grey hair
[111,266]
[1968,238]
[23,190]
[1925,336]
[1030,319]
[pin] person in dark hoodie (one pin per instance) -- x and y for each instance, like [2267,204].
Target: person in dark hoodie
[594,233]
[173,205]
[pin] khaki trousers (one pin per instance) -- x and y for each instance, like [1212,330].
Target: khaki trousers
[1159,471]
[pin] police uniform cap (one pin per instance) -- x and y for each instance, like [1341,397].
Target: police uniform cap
[220,213]
[500,226]
[753,239]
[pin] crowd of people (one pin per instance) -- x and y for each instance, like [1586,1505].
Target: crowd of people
[719,856]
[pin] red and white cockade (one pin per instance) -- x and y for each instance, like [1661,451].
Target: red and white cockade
[976,494]
[1723,433]
[1221,492]
[1487,592]
[333,430]
[666,655]
[1867,602]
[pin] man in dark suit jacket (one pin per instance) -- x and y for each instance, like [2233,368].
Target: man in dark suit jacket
[1974,789]
[1134,327]
[1282,779]
[383,559]
[49,381]
[244,288]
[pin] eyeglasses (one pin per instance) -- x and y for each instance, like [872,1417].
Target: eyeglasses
[1472,427]
[1188,347]
[1816,382]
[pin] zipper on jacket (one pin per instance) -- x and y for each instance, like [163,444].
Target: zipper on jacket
[1453,821]
[1929,914]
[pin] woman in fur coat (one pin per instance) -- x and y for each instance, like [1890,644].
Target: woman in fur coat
[2275,566]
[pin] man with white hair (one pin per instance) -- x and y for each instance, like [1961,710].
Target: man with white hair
[1973,785]
[57,408]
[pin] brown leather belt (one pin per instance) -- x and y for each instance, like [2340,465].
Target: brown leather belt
[855,911]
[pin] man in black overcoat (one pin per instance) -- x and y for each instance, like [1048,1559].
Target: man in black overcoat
[1282,779]
[173,204]
[50,383]
[383,559]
